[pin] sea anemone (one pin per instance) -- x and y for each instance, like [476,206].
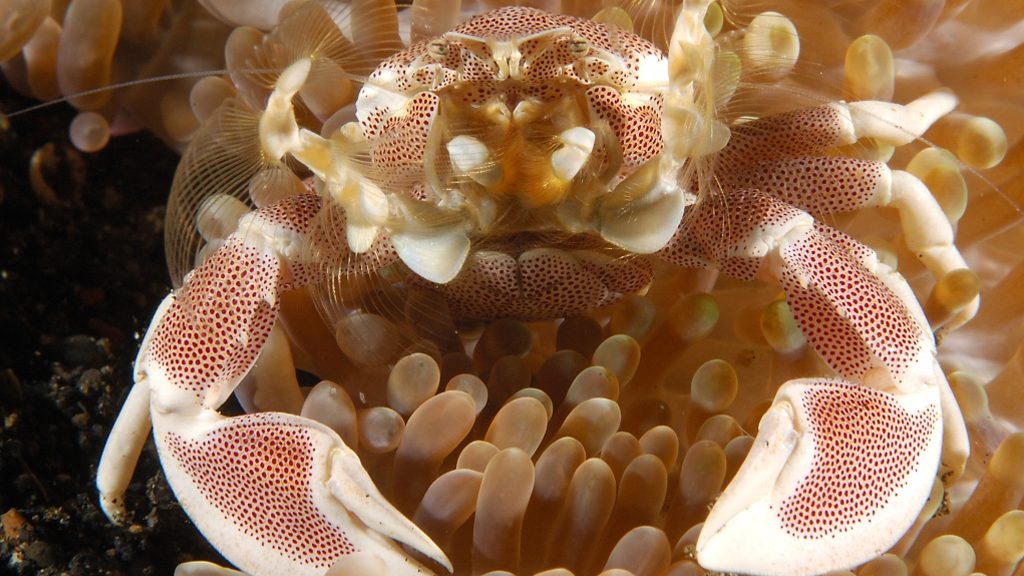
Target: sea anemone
[79,50]
[593,443]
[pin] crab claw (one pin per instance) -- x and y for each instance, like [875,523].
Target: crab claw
[841,466]
[281,494]
[837,473]
[274,492]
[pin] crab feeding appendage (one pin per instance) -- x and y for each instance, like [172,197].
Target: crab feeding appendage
[500,165]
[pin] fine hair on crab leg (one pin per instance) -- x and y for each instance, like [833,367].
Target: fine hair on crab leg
[153,49]
[642,211]
[772,154]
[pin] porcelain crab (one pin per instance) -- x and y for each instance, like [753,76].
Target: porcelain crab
[532,165]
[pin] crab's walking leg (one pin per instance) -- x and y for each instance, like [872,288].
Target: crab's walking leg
[786,155]
[274,492]
[840,466]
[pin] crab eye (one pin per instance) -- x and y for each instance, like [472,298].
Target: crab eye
[438,49]
[578,46]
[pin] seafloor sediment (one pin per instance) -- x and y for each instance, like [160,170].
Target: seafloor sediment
[81,271]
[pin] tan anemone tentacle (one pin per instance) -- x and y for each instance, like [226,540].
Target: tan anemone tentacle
[522,193]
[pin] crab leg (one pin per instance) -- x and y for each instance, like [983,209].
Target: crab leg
[840,466]
[274,492]
[785,155]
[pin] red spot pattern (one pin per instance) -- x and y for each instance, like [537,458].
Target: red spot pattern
[541,284]
[335,265]
[552,68]
[551,72]
[820,185]
[328,246]
[866,446]
[219,320]
[223,314]
[555,275]
[850,316]
[762,178]
[625,275]
[296,213]
[256,470]
[730,226]
[857,251]
[403,137]
[547,62]
[486,285]
[683,249]
[518,22]
[803,132]
[637,128]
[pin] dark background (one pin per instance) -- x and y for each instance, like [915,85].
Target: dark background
[81,272]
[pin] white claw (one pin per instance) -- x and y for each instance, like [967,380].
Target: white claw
[435,255]
[204,569]
[643,211]
[807,455]
[354,488]
[467,153]
[432,242]
[577,144]
[776,440]
[127,438]
[366,210]
[279,132]
[470,157]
